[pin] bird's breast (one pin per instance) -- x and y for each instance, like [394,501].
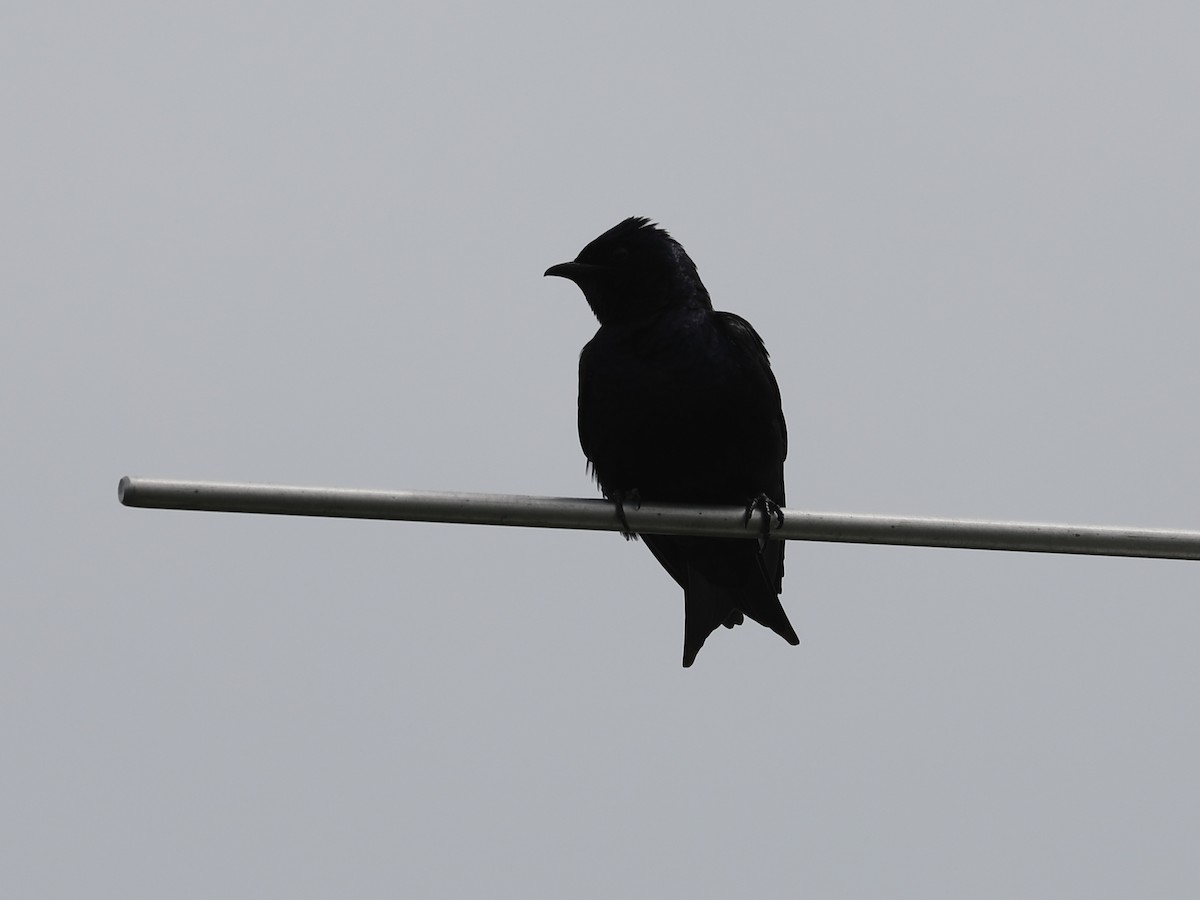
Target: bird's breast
[672,412]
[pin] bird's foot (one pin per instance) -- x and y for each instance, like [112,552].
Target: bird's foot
[620,498]
[770,510]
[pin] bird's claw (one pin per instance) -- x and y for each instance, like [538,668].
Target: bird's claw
[620,498]
[770,510]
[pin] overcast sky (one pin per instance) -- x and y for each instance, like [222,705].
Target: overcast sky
[304,243]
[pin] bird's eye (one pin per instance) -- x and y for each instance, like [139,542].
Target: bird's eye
[620,256]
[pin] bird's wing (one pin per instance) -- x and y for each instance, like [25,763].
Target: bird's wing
[752,348]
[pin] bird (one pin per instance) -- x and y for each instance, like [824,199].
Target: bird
[678,404]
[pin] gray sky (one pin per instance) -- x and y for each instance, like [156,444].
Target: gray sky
[303,243]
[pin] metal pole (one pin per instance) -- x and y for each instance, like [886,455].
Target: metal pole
[654,518]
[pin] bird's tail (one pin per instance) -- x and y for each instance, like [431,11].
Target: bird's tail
[707,606]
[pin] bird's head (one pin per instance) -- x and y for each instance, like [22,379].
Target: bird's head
[632,271]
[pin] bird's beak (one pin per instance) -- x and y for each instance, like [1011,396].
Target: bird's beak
[574,271]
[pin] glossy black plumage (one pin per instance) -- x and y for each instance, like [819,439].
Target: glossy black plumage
[677,403]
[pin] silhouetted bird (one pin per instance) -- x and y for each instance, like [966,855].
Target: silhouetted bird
[677,403]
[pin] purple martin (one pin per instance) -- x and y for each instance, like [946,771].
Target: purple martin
[678,404]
